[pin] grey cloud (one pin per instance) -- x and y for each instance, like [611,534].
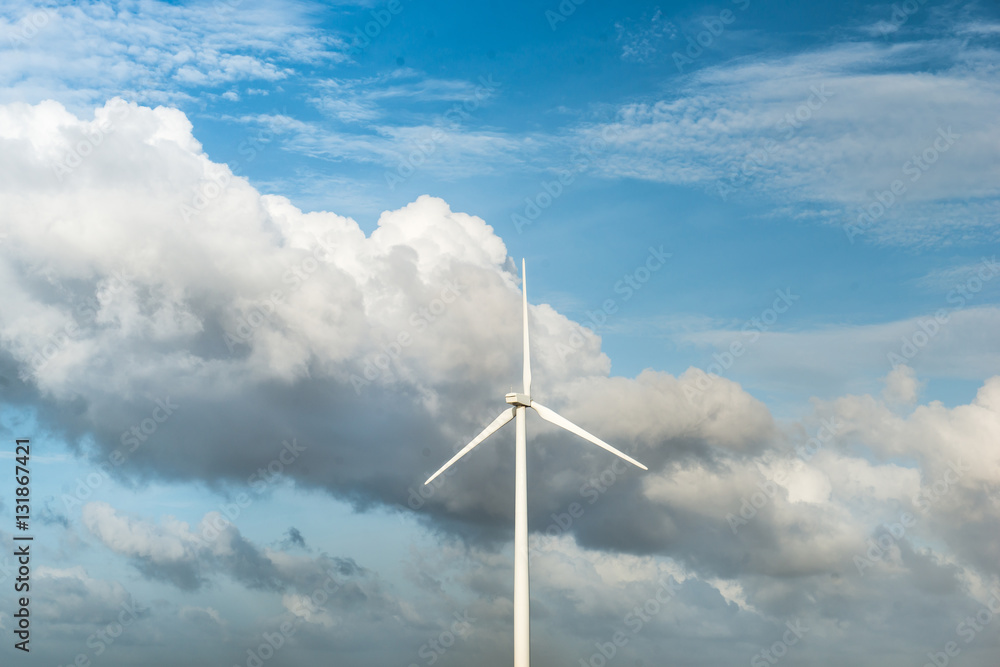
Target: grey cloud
[149,372]
[247,323]
[191,558]
[294,538]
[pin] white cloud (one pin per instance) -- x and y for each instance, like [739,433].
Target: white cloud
[901,386]
[154,51]
[167,275]
[642,40]
[828,130]
[832,360]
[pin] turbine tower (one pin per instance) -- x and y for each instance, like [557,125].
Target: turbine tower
[520,403]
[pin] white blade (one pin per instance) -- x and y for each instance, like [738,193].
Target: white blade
[504,417]
[550,416]
[524,309]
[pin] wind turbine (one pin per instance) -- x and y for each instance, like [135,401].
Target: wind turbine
[520,402]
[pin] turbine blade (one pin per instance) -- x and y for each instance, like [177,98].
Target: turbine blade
[504,417]
[551,416]
[524,309]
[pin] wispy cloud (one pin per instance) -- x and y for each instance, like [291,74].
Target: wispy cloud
[643,39]
[79,55]
[830,360]
[439,130]
[829,130]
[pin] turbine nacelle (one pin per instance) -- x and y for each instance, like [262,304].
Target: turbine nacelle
[515,398]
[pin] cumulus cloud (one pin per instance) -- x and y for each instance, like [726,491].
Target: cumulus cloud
[901,386]
[161,308]
[194,325]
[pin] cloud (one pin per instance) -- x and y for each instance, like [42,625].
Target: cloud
[201,615]
[439,130]
[833,360]
[831,130]
[175,553]
[294,538]
[957,466]
[192,557]
[901,386]
[80,614]
[170,48]
[51,517]
[203,324]
[641,43]
[71,596]
[210,53]
[363,99]
[204,332]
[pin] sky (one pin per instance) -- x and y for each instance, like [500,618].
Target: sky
[261,278]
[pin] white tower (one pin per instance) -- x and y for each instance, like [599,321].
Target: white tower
[521,402]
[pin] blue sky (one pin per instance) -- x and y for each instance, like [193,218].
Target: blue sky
[599,62]
[741,221]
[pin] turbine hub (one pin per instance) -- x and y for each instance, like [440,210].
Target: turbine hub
[515,398]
